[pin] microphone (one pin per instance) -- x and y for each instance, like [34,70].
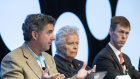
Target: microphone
[123,63]
[43,68]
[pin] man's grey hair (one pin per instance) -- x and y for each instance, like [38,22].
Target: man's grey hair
[61,36]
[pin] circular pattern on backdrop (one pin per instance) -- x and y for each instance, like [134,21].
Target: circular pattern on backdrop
[98,14]
[13,14]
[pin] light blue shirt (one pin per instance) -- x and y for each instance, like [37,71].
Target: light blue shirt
[40,59]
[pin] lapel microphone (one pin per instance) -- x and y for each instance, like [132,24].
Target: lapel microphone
[123,63]
[43,68]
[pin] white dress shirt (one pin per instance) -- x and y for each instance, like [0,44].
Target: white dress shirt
[117,53]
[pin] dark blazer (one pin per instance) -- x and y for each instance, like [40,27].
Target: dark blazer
[106,60]
[64,67]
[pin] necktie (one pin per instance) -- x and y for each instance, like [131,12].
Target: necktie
[121,61]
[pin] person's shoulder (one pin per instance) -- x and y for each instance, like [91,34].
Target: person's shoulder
[78,61]
[58,59]
[16,51]
[102,53]
[126,57]
[105,52]
[46,55]
[14,55]
[49,59]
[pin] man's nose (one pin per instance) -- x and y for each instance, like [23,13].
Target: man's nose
[124,36]
[53,37]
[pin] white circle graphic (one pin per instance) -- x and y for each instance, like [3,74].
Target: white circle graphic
[98,14]
[13,14]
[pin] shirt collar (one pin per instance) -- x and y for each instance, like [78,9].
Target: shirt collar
[116,51]
[41,57]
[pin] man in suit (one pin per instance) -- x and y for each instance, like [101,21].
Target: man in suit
[111,58]
[30,61]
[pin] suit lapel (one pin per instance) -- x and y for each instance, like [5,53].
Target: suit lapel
[31,61]
[114,57]
[49,62]
[125,60]
[127,64]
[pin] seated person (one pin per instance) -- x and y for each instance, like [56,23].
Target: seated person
[28,60]
[66,48]
[111,58]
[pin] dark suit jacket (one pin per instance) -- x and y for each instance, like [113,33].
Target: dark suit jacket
[106,60]
[64,67]
[21,64]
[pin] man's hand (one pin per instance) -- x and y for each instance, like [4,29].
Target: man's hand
[54,76]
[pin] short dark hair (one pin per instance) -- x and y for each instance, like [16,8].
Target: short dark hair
[35,22]
[119,20]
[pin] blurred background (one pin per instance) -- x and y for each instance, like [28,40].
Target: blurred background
[92,17]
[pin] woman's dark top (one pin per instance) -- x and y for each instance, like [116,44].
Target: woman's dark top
[64,67]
